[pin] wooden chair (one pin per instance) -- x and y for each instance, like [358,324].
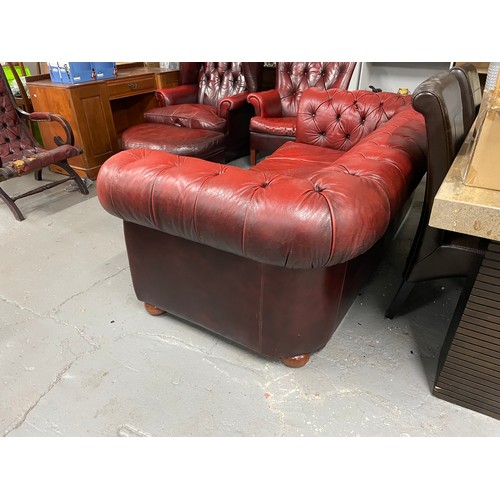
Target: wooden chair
[21,154]
[24,102]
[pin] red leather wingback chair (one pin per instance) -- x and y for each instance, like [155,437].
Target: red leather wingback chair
[275,117]
[212,96]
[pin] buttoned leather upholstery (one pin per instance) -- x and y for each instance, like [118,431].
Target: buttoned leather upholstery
[276,109]
[212,97]
[271,257]
[20,153]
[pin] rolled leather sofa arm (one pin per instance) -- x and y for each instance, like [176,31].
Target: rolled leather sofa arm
[231,103]
[182,94]
[275,219]
[266,103]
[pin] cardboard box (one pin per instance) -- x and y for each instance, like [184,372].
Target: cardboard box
[484,166]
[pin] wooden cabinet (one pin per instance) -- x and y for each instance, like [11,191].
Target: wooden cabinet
[99,111]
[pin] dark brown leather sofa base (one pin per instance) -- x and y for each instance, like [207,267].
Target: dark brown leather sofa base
[275,311]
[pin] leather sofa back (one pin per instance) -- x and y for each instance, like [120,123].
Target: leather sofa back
[292,78]
[339,119]
[217,80]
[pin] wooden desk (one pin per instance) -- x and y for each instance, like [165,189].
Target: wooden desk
[469,365]
[99,111]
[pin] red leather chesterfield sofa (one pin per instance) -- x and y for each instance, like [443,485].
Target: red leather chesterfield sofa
[272,257]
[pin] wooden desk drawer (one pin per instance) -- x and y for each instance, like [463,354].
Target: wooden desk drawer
[131,86]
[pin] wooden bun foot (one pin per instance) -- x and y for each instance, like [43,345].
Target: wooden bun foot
[154,311]
[296,361]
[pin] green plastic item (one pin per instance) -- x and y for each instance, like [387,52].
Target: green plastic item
[10,76]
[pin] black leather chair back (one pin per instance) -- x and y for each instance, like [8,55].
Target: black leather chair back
[470,89]
[439,99]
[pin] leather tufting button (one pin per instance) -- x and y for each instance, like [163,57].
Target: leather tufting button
[266,184]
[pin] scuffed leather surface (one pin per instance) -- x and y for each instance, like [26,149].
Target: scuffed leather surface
[176,140]
[276,126]
[182,94]
[331,214]
[198,116]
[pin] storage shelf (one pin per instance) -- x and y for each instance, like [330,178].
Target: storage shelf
[390,76]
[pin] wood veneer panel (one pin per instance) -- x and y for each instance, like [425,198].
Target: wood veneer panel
[469,372]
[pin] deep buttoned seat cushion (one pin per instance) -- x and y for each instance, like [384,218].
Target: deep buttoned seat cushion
[197,116]
[298,160]
[172,139]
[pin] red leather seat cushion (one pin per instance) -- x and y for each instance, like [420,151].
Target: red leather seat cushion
[285,126]
[298,160]
[196,116]
[177,140]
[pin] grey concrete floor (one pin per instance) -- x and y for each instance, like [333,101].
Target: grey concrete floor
[79,356]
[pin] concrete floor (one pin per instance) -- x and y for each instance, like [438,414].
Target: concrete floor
[79,356]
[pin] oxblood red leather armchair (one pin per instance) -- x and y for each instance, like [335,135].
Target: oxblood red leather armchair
[212,96]
[276,109]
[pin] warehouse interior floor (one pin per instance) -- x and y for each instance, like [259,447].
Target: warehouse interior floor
[80,357]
